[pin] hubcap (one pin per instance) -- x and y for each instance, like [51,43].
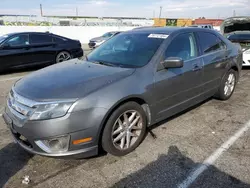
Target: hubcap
[63,56]
[127,129]
[229,85]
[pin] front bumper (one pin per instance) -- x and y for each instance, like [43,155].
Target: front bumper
[78,125]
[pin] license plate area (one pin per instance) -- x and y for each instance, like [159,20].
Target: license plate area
[8,121]
[22,139]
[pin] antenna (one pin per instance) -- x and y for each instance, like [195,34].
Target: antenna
[234,14]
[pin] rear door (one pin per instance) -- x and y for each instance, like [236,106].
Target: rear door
[43,47]
[214,57]
[16,52]
[178,88]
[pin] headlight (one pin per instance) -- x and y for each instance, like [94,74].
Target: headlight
[50,111]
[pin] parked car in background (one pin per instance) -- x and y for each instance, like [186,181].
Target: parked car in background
[203,26]
[132,81]
[19,50]
[95,42]
[237,30]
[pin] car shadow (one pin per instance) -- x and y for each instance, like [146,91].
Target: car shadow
[21,70]
[246,68]
[12,159]
[172,169]
[154,126]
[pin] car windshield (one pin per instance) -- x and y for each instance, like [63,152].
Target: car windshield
[2,38]
[107,35]
[127,50]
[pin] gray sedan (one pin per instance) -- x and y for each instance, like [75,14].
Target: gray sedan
[129,83]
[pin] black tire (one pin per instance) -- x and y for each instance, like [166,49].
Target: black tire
[60,53]
[107,140]
[221,94]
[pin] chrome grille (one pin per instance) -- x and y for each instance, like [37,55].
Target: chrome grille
[19,104]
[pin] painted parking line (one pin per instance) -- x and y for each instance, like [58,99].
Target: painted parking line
[1,111]
[12,78]
[212,158]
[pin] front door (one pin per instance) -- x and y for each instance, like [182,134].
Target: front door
[15,52]
[177,88]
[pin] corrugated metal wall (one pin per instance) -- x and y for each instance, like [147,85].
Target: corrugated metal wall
[172,22]
[159,22]
[185,22]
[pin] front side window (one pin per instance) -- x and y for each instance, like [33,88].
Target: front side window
[182,46]
[19,40]
[127,50]
[40,39]
[210,42]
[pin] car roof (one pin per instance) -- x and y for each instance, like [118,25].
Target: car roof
[168,30]
[11,34]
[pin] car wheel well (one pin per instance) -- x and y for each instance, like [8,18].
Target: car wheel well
[235,68]
[133,99]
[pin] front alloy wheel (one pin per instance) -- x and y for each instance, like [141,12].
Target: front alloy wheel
[125,129]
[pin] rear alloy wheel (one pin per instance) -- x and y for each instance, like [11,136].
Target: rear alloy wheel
[124,130]
[227,85]
[63,56]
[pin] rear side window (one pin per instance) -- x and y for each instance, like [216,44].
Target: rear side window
[182,46]
[210,42]
[40,39]
[58,40]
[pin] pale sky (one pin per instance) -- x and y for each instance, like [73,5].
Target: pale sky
[132,8]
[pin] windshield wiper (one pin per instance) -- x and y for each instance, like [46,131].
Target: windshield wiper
[103,63]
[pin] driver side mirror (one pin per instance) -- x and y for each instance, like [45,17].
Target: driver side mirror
[173,62]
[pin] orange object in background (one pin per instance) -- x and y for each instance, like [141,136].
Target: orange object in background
[184,22]
[160,22]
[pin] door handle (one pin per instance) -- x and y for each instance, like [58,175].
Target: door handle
[197,68]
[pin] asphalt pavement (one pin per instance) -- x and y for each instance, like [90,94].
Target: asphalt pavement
[184,145]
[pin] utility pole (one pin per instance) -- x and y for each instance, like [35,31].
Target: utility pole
[76,11]
[234,14]
[160,12]
[41,9]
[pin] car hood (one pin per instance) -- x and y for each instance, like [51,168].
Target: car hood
[72,79]
[99,39]
[234,24]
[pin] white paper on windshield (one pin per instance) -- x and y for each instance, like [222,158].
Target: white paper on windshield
[158,36]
